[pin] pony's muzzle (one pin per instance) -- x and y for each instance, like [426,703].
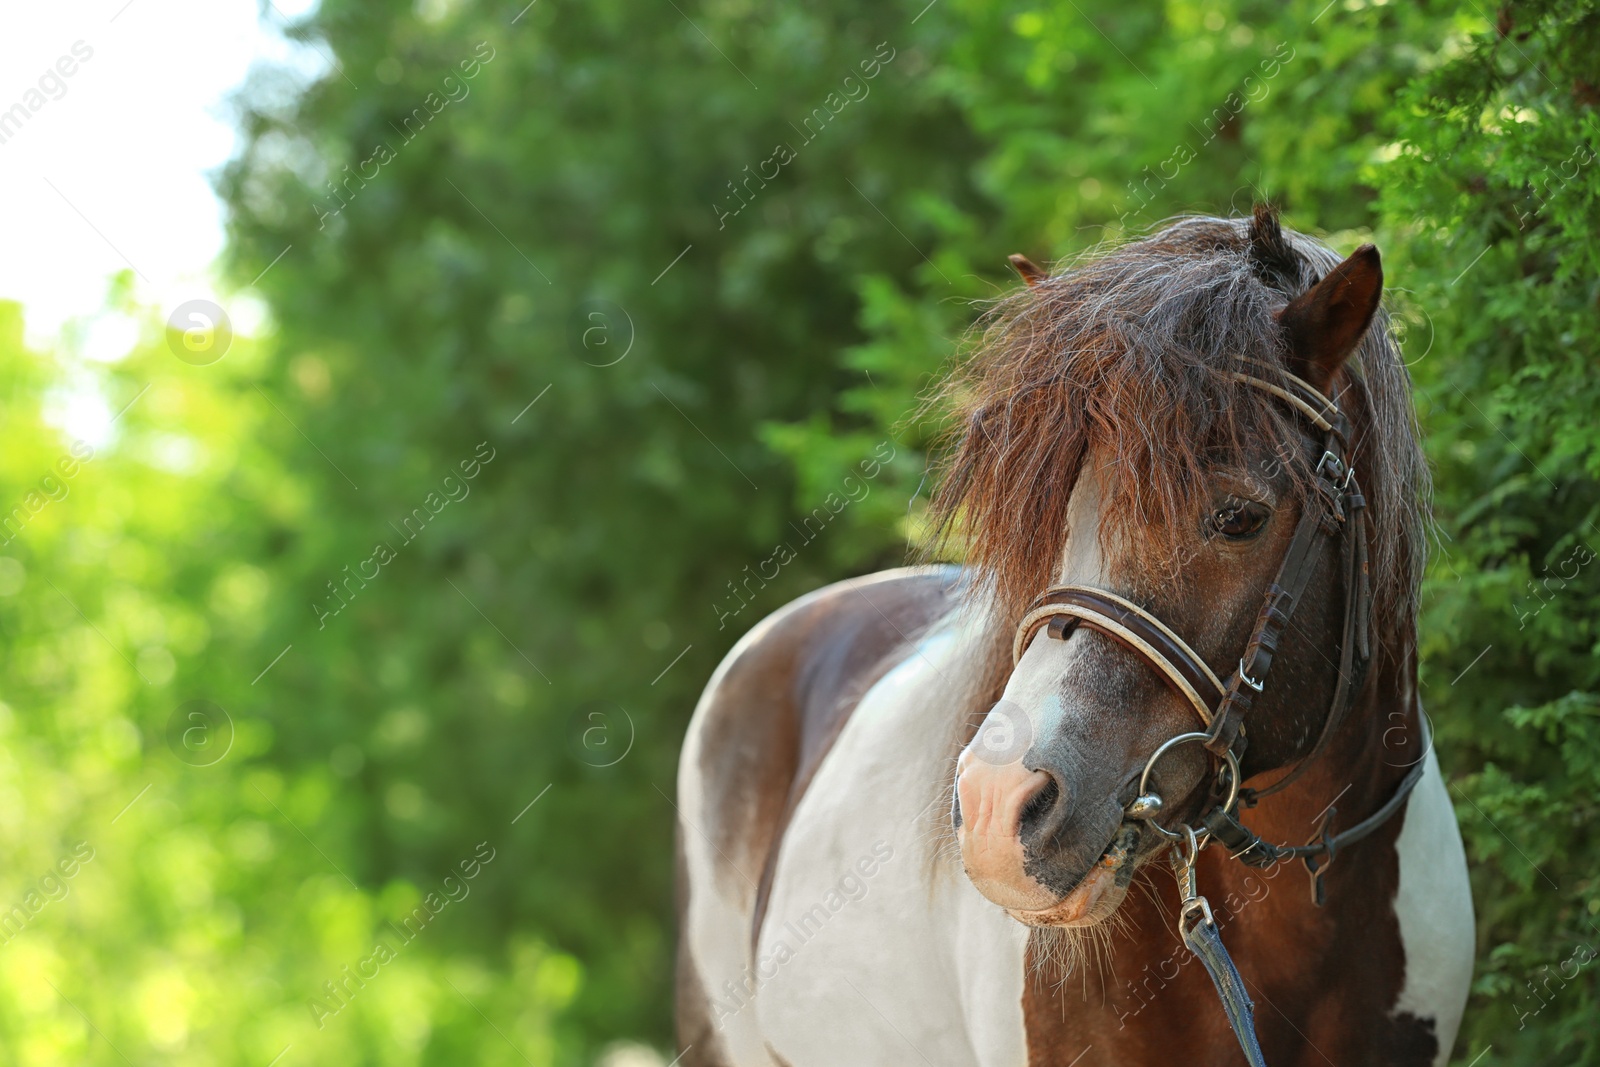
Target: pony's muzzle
[995,805]
[1012,826]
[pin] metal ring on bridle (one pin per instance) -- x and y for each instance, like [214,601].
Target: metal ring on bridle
[1144,778]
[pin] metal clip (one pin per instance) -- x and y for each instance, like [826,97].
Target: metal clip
[1183,860]
[1199,905]
[1317,866]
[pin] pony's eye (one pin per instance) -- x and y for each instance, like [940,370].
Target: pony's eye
[1238,520]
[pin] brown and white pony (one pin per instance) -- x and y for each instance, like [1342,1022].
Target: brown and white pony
[835,914]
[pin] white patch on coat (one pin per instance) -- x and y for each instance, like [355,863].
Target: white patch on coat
[1035,684]
[1434,906]
[720,904]
[1082,560]
[899,970]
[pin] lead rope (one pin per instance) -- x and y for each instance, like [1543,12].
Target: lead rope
[1199,931]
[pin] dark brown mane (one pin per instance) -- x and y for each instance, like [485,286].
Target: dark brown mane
[1126,351]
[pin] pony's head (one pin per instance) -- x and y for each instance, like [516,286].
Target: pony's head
[1109,438]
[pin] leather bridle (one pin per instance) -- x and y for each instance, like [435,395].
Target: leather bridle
[1223,707]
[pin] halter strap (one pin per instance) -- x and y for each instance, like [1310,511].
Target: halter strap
[1221,707]
[1301,394]
[1133,626]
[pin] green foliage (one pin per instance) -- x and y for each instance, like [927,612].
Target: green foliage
[711,353]
[1466,149]
[1493,198]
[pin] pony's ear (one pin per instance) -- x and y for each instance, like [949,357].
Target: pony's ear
[1031,272]
[1323,325]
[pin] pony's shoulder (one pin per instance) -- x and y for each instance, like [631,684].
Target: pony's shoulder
[782,694]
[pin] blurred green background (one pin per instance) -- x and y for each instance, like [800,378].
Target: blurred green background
[719,248]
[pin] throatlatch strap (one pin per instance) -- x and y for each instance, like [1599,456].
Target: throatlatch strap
[1246,846]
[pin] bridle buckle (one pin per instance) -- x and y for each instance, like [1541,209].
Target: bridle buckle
[1335,470]
[1244,677]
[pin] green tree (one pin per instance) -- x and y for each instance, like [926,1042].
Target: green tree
[661,280]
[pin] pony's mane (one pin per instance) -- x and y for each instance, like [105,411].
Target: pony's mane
[1126,352]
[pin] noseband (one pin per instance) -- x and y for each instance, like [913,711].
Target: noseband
[1222,707]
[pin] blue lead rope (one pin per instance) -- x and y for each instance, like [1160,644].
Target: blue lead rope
[1205,942]
[1200,934]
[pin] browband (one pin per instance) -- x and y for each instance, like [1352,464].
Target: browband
[1307,399]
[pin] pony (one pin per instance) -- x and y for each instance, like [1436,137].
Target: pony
[913,806]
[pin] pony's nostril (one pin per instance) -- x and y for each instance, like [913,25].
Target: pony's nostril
[1040,806]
